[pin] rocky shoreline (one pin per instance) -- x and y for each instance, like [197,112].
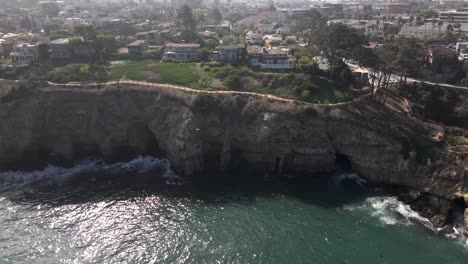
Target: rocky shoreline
[247,135]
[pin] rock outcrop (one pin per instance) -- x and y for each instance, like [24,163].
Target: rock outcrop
[466,223]
[218,133]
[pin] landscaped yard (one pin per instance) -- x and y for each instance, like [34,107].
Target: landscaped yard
[186,74]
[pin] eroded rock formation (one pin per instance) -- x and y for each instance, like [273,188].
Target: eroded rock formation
[218,133]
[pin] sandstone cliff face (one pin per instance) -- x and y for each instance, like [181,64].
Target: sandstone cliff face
[206,133]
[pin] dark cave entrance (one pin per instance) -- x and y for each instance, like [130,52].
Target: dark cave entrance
[343,163]
[277,165]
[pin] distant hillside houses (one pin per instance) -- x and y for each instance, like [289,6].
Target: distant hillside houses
[368,27]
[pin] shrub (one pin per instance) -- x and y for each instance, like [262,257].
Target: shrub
[79,73]
[455,141]
[233,82]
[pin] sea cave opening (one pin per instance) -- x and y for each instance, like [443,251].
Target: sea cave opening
[342,163]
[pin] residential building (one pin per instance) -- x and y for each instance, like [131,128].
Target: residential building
[369,27]
[181,52]
[25,53]
[230,53]
[328,9]
[7,47]
[224,28]
[273,40]
[270,59]
[266,28]
[137,47]
[262,17]
[276,59]
[152,38]
[255,56]
[84,50]
[60,49]
[462,47]
[453,16]
[254,38]
[441,59]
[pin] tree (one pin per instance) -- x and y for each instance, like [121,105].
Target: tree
[216,16]
[87,32]
[204,54]
[367,9]
[186,24]
[440,24]
[271,6]
[402,58]
[50,9]
[106,44]
[229,40]
[308,24]
[307,65]
[337,43]
[43,52]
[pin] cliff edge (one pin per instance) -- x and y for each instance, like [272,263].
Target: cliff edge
[212,133]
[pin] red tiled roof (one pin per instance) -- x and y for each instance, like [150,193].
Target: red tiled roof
[442,50]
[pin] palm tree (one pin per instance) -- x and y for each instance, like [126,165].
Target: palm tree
[418,20]
[440,24]
[433,24]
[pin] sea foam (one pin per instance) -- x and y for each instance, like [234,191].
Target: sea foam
[59,175]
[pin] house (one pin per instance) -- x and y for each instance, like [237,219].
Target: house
[262,17]
[273,40]
[152,38]
[181,52]
[137,47]
[276,59]
[254,38]
[255,56]
[25,53]
[165,34]
[462,47]
[7,47]
[222,29]
[270,59]
[84,50]
[441,59]
[369,27]
[266,28]
[230,53]
[60,49]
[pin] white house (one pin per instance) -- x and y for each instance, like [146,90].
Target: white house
[25,53]
[181,52]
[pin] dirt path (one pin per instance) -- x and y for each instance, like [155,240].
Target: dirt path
[190,90]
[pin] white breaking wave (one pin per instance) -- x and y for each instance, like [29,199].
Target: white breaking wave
[59,175]
[391,211]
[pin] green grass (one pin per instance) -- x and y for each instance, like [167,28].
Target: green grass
[295,86]
[456,141]
[186,74]
[326,91]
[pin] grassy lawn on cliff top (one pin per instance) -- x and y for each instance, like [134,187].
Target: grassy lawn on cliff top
[186,74]
[314,89]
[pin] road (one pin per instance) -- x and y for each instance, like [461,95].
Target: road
[396,78]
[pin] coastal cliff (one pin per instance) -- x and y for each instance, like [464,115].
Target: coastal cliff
[218,133]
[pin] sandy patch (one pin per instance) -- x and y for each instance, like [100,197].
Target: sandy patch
[152,75]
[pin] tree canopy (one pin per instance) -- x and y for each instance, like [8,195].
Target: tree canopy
[308,24]
[337,43]
[186,23]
